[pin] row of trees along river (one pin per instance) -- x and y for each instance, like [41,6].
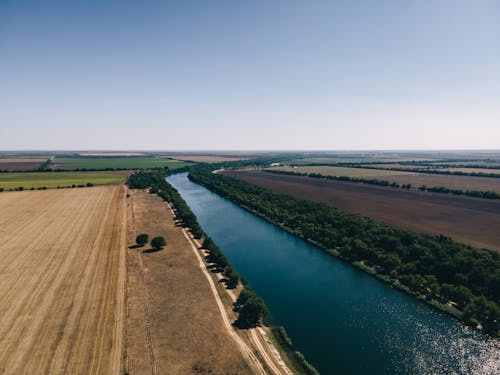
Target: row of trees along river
[457,278]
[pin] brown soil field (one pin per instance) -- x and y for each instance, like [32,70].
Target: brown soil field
[173,323]
[466,219]
[62,281]
[415,179]
[21,164]
[206,158]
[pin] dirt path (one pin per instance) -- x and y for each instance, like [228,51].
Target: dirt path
[62,279]
[188,334]
[267,352]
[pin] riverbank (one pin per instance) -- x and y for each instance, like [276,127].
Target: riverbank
[260,351]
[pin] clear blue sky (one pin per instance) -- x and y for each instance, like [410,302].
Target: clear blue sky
[367,74]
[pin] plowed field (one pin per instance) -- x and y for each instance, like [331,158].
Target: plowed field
[474,221]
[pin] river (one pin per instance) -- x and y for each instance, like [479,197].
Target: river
[343,320]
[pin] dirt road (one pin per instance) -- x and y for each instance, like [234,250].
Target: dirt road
[174,324]
[62,280]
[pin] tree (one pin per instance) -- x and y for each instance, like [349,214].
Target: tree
[142,239]
[251,313]
[158,243]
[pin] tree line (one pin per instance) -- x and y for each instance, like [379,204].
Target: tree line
[250,307]
[463,280]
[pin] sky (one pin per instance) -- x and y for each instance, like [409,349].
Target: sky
[249,75]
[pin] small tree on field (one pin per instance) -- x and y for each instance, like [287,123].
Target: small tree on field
[142,239]
[158,242]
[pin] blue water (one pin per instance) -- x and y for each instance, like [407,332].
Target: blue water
[343,320]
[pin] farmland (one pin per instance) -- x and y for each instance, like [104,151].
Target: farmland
[62,179]
[187,331]
[21,163]
[206,158]
[343,171]
[116,163]
[472,170]
[353,158]
[62,281]
[414,178]
[466,219]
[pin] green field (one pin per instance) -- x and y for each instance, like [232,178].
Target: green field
[55,179]
[116,163]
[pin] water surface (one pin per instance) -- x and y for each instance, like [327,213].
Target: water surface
[343,320]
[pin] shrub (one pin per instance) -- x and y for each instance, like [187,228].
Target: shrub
[142,239]
[158,242]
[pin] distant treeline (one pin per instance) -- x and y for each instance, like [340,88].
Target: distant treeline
[459,279]
[375,181]
[45,165]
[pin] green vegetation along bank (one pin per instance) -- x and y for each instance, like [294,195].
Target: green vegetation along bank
[251,308]
[456,278]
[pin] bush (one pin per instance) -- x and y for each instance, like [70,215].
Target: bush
[142,239]
[251,313]
[158,242]
[252,309]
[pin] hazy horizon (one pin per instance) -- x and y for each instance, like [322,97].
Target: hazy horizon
[274,75]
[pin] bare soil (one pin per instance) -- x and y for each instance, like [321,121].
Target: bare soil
[19,165]
[62,281]
[474,221]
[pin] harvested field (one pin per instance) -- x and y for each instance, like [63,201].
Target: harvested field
[62,281]
[466,219]
[206,158]
[402,166]
[183,332]
[449,181]
[62,179]
[343,171]
[472,170]
[413,178]
[355,159]
[492,163]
